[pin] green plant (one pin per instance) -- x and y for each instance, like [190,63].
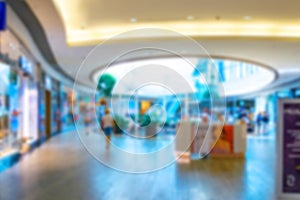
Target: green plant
[145,120]
[106,84]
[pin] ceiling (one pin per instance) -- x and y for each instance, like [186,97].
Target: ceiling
[265,32]
[90,21]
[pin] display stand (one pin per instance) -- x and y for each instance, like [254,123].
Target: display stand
[183,141]
[205,139]
[231,143]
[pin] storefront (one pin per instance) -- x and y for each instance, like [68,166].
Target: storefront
[6,139]
[18,96]
[50,112]
[66,102]
[55,108]
[42,106]
[28,102]
[18,107]
[48,106]
[14,105]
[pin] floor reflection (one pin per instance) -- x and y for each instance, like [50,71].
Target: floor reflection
[62,169]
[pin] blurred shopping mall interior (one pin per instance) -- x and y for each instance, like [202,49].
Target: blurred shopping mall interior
[149,99]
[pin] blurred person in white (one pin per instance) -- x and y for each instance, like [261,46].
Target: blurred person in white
[87,120]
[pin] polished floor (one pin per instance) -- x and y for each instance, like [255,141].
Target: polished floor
[62,169]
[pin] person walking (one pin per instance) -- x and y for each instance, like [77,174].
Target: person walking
[259,122]
[87,121]
[107,125]
[265,120]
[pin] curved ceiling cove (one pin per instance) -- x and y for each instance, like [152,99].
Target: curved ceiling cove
[266,32]
[24,12]
[89,22]
[236,77]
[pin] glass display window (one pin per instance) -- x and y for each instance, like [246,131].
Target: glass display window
[8,139]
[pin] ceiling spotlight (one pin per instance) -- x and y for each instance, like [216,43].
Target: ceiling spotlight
[190,17]
[82,26]
[218,18]
[247,18]
[133,20]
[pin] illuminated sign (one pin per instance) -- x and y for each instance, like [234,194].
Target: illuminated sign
[288,166]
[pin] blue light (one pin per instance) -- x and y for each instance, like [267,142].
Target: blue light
[221,71]
[2,15]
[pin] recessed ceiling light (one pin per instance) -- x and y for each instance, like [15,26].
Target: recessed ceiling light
[247,18]
[82,26]
[190,17]
[133,20]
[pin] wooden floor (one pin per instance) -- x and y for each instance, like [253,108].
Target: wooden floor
[61,169]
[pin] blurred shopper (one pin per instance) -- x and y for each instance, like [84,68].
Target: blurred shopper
[251,124]
[93,119]
[265,122]
[230,118]
[107,125]
[14,125]
[75,117]
[242,121]
[70,119]
[205,118]
[102,107]
[87,121]
[259,122]
[220,118]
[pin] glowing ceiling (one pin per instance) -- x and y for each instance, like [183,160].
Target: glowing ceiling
[90,22]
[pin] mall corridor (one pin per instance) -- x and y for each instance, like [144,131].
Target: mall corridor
[63,169]
[158,100]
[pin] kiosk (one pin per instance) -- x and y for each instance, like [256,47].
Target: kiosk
[216,140]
